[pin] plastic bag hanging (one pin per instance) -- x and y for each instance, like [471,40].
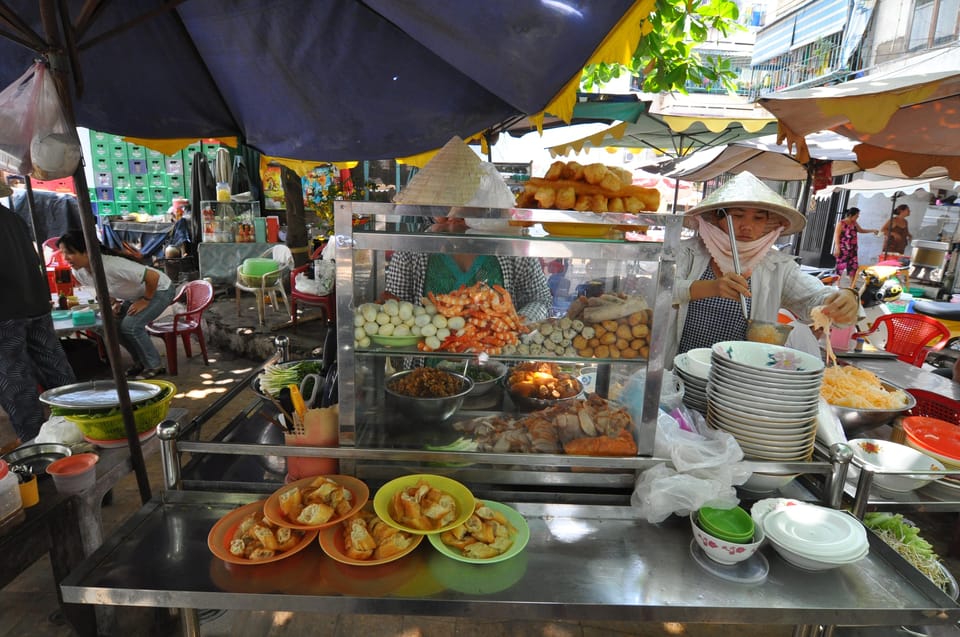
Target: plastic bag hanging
[54,146]
[16,121]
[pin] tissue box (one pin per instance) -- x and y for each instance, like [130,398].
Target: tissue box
[84,317]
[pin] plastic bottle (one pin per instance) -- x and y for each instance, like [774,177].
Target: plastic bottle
[10,503]
[859,345]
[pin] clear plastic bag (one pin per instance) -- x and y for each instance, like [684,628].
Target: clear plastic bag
[35,136]
[660,492]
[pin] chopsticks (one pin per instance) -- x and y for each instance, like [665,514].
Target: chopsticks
[736,263]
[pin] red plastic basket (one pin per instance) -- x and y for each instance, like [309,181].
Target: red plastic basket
[935,406]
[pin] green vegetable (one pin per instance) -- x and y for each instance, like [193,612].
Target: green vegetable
[904,537]
[276,377]
[460,444]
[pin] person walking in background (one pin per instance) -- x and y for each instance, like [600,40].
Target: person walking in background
[897,231]
[30,352]
[846,244]
[138,294]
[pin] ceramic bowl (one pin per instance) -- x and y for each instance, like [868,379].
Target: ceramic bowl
[773,360]
[766,408]
[485,376]
[808,563]
[768,332]
[699,361]
[767,482]
[815,532]
[793,389]
[885,455]
[724,551]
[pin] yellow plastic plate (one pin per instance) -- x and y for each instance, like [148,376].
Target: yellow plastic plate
[460,493]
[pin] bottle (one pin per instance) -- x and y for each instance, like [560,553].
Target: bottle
[62,302]
[859,346]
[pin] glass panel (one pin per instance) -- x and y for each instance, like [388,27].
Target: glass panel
[946,27]
[920,28]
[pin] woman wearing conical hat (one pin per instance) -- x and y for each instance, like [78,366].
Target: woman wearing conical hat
[707,291]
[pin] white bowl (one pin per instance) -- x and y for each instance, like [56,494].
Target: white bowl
[699,361]
[886,455]
[816,564]
[724,551]
[738,415]
[949,463]
[767,482]
[767,408]
[816,532]
[769,359]
[759,380]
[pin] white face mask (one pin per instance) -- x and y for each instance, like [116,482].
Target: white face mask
[750,252]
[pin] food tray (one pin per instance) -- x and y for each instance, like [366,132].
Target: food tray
[97,393]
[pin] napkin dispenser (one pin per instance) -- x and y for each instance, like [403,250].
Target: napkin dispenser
[84,317]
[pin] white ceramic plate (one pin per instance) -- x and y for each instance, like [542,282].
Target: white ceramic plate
[757,380]
[763,409]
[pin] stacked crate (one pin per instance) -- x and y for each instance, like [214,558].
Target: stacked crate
[128,178]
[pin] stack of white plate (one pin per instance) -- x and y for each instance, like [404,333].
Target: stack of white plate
[815,538]
[694,383]
[767,397]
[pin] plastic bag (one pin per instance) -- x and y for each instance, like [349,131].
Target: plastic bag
[671,393]
[706,467]
[59,429]
[660,491]
[322,282]
[35,136]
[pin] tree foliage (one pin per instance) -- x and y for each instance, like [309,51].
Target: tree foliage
[666,58]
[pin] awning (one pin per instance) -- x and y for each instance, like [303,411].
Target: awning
[674,135]
[768,160]
[809,24]
[888,187]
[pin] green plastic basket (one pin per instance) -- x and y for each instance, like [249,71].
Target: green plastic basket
[110,426]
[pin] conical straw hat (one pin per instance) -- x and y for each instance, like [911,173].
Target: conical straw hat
[746,191]
[457,177]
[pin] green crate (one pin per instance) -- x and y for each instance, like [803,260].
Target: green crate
[139,181]
[160,208]
[154,154]
[119,167]
[123,208]
[157,180]
[121,181]
[102,164]
[191,149]
[106,208]
[100,149]
[140,195]
[123,195]
[136,152]
[177,193]
[103,179]
[96,137]
[160,194]
[118,151]
[142,207]
[156,165]
[173,181]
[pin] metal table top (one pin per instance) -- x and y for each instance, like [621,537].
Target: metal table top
[581,563]
[909,376]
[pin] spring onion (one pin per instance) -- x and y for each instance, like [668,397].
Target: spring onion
[276,377]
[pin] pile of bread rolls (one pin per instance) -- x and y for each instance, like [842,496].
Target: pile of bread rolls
[594,187]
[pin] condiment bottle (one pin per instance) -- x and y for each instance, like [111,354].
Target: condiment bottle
[859,345]
[62,302]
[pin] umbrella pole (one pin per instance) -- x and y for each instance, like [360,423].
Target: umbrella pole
[33,216]
[88,223]
[802,205]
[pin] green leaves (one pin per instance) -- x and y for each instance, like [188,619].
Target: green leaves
[667,58]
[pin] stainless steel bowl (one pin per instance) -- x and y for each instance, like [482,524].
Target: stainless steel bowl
[429,411]
[855,421]
[37,456]
[496,369]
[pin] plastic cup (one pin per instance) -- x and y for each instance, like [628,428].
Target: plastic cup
[29,493]
[260,230]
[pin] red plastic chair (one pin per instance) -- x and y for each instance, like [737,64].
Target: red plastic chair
[197,296]
[910,336]
[327,302]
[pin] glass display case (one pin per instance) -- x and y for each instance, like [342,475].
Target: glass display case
[624,257]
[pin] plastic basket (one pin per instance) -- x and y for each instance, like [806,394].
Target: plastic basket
[935,406]
[110,426]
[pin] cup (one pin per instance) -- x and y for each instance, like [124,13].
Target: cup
[321,429]
[260,230]
[29,493]
[273,229]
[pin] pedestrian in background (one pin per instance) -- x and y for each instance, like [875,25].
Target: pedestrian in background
[30,351]
[846,242]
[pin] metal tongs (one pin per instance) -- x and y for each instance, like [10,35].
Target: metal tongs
[736,263]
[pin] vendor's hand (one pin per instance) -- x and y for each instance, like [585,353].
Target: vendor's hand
[842,306]
[731,285]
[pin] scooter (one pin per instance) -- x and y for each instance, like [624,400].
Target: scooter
[878,285]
